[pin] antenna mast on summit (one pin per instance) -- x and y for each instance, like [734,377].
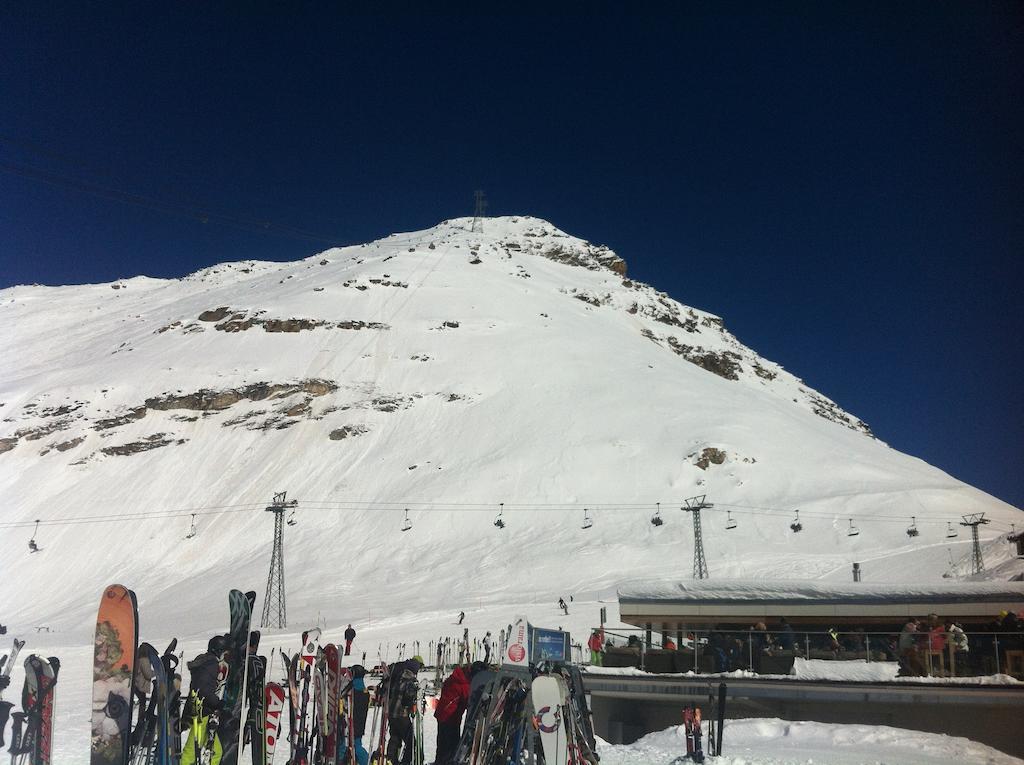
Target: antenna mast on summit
[479,211]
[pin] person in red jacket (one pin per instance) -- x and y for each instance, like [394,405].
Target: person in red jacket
[450,709]
[596,645]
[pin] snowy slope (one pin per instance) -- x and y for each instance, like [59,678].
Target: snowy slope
[447,372]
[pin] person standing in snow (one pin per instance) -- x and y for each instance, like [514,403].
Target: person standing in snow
[360,708]
[451,706]
[595,644]
[203,698]
[487,647]
[350,635]
[402,697]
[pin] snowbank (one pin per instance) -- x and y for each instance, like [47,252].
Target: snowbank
[858,670]
[780,742]
[819,669]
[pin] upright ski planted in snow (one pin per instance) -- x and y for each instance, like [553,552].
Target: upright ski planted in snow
[117,635]
[549,695]
[32,738]
[240,606]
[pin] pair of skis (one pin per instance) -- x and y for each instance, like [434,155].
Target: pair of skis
[6,663]
[693,730]
[241,645]
[312,694]
[32,727]
[113,672]
[154,740]
[327,679]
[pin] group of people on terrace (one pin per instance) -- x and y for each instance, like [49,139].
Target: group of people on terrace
[924,646]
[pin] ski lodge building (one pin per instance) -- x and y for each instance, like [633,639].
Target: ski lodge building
[702,604]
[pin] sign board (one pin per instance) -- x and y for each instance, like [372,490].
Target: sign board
[518,651]
[549,645]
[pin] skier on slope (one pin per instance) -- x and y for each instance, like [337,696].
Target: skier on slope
[402,696]
[450,709]
[462,615]
[561,605]
[350,635]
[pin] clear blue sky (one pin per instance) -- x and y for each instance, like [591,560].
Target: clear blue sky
[842,182]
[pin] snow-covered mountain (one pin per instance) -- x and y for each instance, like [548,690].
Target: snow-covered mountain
[444,371]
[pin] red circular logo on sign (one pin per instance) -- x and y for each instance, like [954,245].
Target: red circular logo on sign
[516,652]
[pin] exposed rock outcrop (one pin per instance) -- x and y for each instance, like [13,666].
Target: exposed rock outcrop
[207,400]
[155,441]
[348,431]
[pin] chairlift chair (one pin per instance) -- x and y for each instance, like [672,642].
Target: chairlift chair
[498,522]
[291,519]
[796,526]
[32,546]
[912,529]
[656,518]
[730,522]
[951,533]
[853,530]
[406,524]
[587,520]
[191,529]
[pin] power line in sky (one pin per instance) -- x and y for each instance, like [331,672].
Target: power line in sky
[110,193]
[326,505]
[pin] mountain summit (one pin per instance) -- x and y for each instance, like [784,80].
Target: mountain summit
[456,373]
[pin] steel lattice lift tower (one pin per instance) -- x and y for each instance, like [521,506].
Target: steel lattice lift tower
[274,612]
[695,505]
[974,520]
[479,212]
